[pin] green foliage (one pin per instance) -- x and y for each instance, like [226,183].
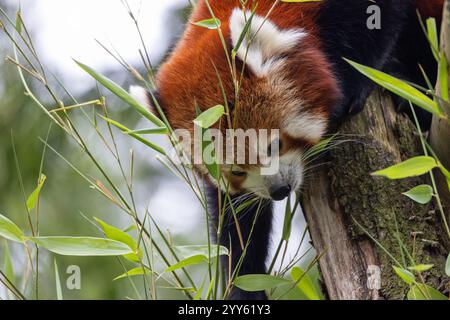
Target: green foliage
[400,88]
[121,236]
[9,230]
[417,166]
[197,259]
[305,284]
[189,251]
[204,121]
[413,167]
[57,282]
[446,173]
[443,78]
[432,35]
[259,282]
[135,135]
[122,94]
[243,34]
[34,196]
[8,266]
[193,255]
[421,194]
[82,246]
[407,276]
[133,272]
[424,292]
[210,116]
[211,24]
[421,267]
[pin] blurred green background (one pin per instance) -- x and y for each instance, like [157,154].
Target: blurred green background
[66,198]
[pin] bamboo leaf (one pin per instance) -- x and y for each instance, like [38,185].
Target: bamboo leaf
[7,264]
[421,194]
[34,196]
[211,24]
[259,282]
[58,282]
[243,34]
[197,259]
[210,161]
[424,292]
[131,273]
[118,235]
[318,148]
[410,168]
[121,93]
[150,131]
[432,35]
[189,251]
[210,116]
[400,88]
[405,275]
[134,135]
[421,267]
[18,23]
[305,285]
[446,173]
[198,294]
[82,246]
[9,230]
[287,224]
[195,254]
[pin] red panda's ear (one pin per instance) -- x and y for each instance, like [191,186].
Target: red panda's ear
[144,97]
[268,41]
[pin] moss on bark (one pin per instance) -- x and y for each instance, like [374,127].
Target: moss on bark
[383,139]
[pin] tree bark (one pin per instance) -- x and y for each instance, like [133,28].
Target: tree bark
[440,128]
[343,197]
[344,203]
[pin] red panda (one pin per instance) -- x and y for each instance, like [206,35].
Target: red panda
[294,79]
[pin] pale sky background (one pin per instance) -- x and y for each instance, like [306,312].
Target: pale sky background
[69,30]
[66,29]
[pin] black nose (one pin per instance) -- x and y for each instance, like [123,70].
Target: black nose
[280,192]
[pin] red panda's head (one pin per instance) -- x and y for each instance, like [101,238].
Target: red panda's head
[286,84]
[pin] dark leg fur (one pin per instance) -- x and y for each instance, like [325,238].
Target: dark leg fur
[397,48]
[255,257]
[411,51]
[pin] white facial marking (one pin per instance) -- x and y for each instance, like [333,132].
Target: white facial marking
[290,172]
[305,126]
[268,41]
[140,95]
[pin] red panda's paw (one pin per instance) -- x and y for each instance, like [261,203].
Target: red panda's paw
[353,104]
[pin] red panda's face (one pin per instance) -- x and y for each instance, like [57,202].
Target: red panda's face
[286,85]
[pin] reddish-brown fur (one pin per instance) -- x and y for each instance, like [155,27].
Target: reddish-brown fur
[189,76]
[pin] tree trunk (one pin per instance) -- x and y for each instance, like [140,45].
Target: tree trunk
[343,197]
[440,129]
[356,219]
